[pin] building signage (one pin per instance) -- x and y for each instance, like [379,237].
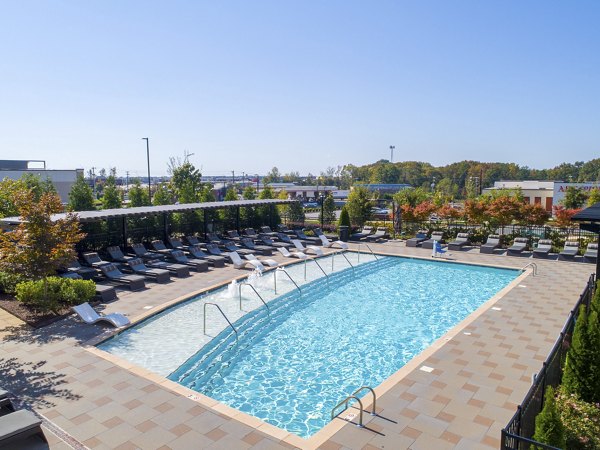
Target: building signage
[560,190]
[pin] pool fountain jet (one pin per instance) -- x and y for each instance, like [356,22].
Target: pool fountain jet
[232,289]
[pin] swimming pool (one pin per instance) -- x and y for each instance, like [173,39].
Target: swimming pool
[291,363]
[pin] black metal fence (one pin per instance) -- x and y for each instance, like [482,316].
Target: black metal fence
[517,435]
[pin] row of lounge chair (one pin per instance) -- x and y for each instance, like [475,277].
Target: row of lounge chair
[370,234]
[494,242]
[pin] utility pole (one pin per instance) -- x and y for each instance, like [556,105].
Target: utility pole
[93,175]
[392,147]
[233,178]
[127,181]
[148,157]
[257,184]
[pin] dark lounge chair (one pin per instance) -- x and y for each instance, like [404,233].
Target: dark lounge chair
[116,254]
[138,267]
[193,240]
[179,270]
[213,237]
[94,260]
[436,236]
[332,237]
[304,238]
[285,238]
[380,234]
[267,230]
[493,242]
[87,273]
[266,240]
[418,239]
[366,230]
[197,264]
[214,250]
[197,252]
[518,246]
[591,253]
[6,405]
[462,240]
[142,252]
[19,425]
[251,233]
[543,248]
[160,247]
[230,246]
[233,235]
[261,249]
[134,282]
[569,251]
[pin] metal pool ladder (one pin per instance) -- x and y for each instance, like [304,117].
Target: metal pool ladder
[366,245]
[223,314]
[282,270]
[533,265]
[256,292]
[361,409]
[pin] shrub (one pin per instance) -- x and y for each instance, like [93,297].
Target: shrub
[548,426]
[581,421]
[576,368]
[9,281]
[344,218]
[49,294]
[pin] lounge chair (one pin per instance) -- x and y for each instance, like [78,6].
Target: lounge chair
[285,252]
[233,235]
[462,239]
[6,405]
[262,249]
[380,234]
[519,245]
[192,240]
[197,264]
[366,230]
[266,240]
[591,253]
[213,237]
[103,292]
[116,254]
[435,236]
[87,273]
[179,270]
[19,425]
[493,242]
[284,238]
[93,259]
[306,239]
[138,267]
[281,228]
[328,244]
[230,246]
[251,233]
[134,282]
[90,316]
[267,230]
[332,237]
[569,251]
[160,247]
[418,239]
[197,252]
[239,263]
[142,252]
[304,249]
[268,261]
[543,248]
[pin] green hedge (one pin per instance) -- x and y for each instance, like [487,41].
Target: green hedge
[54,293]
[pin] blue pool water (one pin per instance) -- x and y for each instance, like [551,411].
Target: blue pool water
[292,365]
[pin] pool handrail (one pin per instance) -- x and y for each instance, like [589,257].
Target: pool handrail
[223,314]
[345,401]
[319,265]
[341,253]
[366,245]
[256,292]
[362,388]
[533,265]
[282,270]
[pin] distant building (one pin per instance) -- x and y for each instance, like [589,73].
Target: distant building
[62,180]
[383,188]
[545,193]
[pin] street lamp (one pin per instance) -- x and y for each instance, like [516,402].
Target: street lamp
[392,147]
[322,198]
[148,158]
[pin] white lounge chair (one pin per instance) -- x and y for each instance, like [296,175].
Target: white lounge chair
[239,263]
[285,252]
[90,316]
[327,243]
[304,249]
[269,262]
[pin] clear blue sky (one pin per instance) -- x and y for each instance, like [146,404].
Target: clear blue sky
[248,85]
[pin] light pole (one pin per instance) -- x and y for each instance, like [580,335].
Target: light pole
[392,147]
[257,184]
[322,198]
[148,158]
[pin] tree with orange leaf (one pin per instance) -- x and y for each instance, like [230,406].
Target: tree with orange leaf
[562,216]
[533,214]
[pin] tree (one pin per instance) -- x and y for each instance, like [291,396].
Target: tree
[272,177]
[39,246]
[268,213]
[359,205]
[295,212]
[8,193]
[186,181]
[548,426]
[448,212]
[594,197]
[112,195]
[423,210]
[562,216]
[229,214]
[574,198]
[344,220]
[81,197]
[138,196]
[577,364]
[248,213]
[503,210]
[411,197]
[476,211]
[533,214]
[328,210]
[162,196]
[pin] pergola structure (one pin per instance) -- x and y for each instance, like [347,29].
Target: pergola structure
[589,220]
[122,214]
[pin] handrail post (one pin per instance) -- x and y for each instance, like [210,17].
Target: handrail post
[275,280]
[305,259]
[345,402]
[373,412]
[332,259]
[223,314]
[256,292]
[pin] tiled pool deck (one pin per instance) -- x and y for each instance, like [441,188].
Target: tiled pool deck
[481,371]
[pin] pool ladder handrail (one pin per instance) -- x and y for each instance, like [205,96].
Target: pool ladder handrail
[366,245]
[282,270]
[256,292]
[223,314]
[353,396]
[343,254]
[533,265]
[319,265]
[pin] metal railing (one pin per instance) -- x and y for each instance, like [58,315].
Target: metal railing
[517,435]
[366,245]
[256,292]
[223,314]
[370,389]
[282,270]
[532,265]
[345,403]
[319,265]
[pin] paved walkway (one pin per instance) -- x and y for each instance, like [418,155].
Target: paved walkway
[458,394]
